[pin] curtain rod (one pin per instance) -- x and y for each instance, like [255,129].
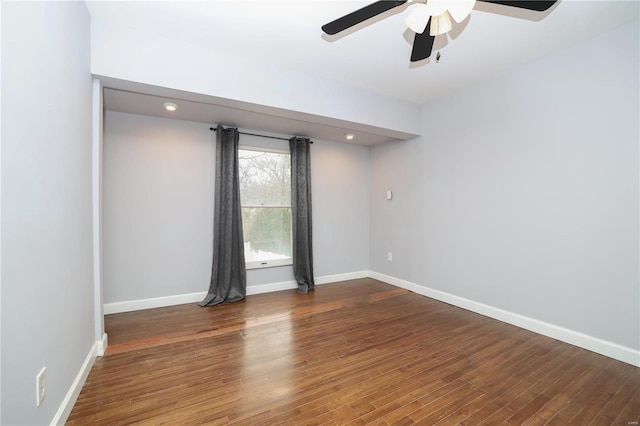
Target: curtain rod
[262,136]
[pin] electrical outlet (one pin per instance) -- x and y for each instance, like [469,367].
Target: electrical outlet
[40,386]
[389,256]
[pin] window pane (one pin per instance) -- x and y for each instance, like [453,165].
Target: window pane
[267,233]
[265,178]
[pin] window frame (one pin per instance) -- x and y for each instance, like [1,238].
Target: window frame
[260,264]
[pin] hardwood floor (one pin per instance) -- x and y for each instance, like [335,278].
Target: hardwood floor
[356,352]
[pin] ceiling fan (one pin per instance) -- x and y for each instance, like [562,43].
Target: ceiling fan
[428,19]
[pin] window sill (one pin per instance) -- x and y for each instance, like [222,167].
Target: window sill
[268,264]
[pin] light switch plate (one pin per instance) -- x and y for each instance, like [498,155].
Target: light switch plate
[40,386]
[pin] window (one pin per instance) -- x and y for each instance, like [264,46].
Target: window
[265,198]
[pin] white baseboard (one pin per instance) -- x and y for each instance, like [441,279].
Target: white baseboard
[71,397]
[594,344]
[271,287]
[179,299]
[101,345]
[327,279]
[156,302]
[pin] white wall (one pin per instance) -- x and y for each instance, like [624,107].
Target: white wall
[158,191]
[526,190]
[47,282]
[245,83]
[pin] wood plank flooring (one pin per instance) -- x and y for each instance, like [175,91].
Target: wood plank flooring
[357,352]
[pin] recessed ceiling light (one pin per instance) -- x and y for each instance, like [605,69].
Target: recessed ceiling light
[349,136]
[170,106]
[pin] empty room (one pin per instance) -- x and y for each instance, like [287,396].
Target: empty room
[320,212]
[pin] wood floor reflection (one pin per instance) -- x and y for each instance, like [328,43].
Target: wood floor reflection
[355,352]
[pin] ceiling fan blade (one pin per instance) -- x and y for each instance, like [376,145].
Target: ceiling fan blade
[422,44]
[360,15]
[539,6]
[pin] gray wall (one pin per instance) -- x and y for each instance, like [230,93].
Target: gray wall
[340,176]
[47,279]
[523,193]
[157,227]
[158,180]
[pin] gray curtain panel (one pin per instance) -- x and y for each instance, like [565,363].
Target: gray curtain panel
[228,274]
[301,213]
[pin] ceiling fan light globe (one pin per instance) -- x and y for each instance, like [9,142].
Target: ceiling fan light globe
[418,19]
[437,7]
[440,24]
[460,9]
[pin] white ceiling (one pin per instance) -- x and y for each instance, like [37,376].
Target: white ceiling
[374,56]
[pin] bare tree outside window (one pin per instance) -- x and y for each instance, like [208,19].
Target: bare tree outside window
[265,195]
